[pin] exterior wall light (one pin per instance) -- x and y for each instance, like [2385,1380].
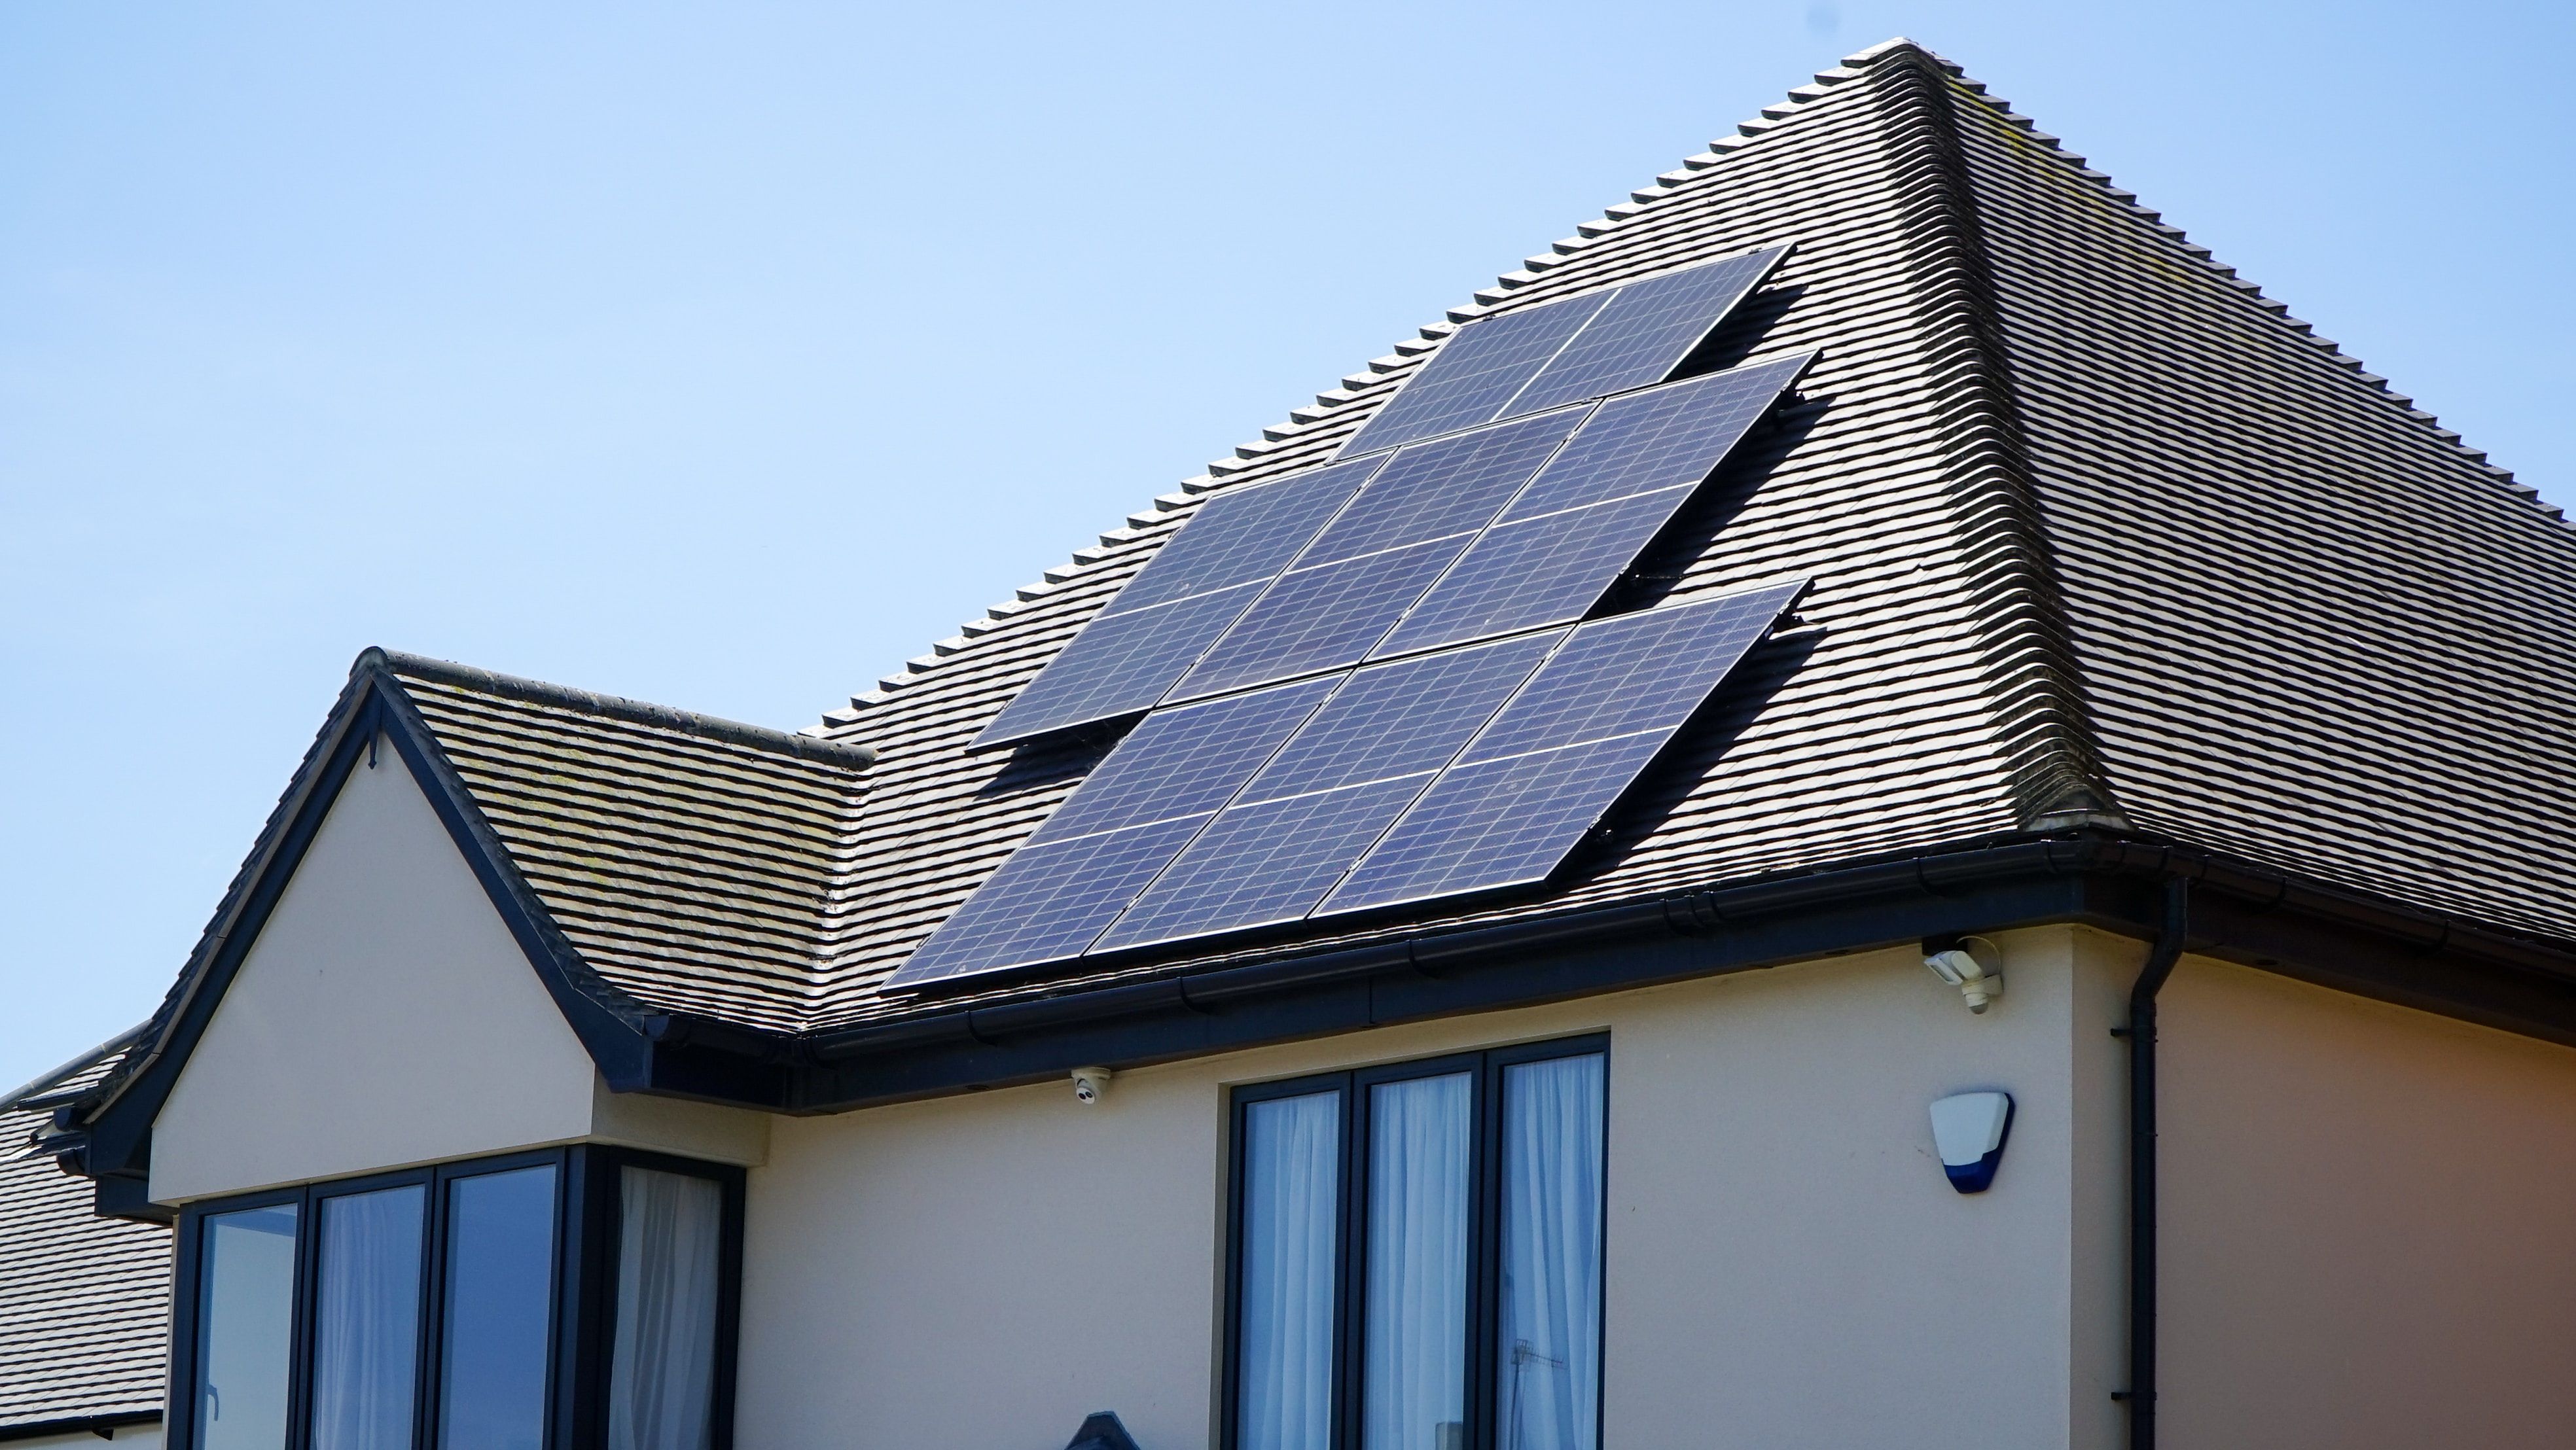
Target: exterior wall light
[1969,1129]
[1972,964]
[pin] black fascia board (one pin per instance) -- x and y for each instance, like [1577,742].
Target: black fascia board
[2112,881]
[103,1426]
[114,1137]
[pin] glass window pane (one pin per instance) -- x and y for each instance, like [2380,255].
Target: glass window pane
[662,1372]
[499,1296]
[1291,1191]
[366,1319]
[245,1328]
[1547,1389]
[1414,1385]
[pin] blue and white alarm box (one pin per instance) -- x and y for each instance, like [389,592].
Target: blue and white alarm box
[1969,1129]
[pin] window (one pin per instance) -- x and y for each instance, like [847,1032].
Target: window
[576,1299]
[1415,1256]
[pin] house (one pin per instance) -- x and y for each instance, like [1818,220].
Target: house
[1420,938]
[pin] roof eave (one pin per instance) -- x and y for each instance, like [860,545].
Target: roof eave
[2350,941]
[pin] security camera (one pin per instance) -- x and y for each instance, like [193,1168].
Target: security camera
[1091,1084]
[1972,964]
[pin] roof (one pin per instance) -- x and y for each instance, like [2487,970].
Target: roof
[2065,573]
[2101,539]
[84,1301]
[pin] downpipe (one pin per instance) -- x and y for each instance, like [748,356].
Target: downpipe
[2140,1396]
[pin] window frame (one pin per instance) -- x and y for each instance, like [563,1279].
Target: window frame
[582,1307]
[1486,1068]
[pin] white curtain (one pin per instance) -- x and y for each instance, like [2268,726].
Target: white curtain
[662,1369]
[1291,1168]
[366,1328]
[1414,1387]
[1548,1383]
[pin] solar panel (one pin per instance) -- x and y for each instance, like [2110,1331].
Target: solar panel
[1474,373]
[1331,790]
[1645,331]
[1124,659]
[1551,763]
[1188,760]
[1120,664]
[1370,565]
[1126,822]
[1646,441]
[1243,535]
[1046,903]
[1546,570]
[1581,523]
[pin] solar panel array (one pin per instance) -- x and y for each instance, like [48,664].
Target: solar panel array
[1366,684]
[1464,770]
[1587,346]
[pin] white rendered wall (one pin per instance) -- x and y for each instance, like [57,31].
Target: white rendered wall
[2366,1220]
[386,1017]
[1787,1263]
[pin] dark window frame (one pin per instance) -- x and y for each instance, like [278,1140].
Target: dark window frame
[1350,1243]
[582,1309]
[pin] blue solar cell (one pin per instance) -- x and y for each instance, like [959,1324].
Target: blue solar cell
[1497,823]
[1433,490]
[1580,524]
[1188,760]
[1342,779]
[1118,665]
[1521,796]
[1632,672]
[1373,562]
[1243,536]
[1547,570]
[1655,440]
[1480,367]
[1125,823]
[1405,718]
[1046,903]
[1645,332]
[1319,619]
[1258,865]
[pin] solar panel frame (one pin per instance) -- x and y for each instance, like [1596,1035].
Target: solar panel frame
[1555,758]
[1645,331]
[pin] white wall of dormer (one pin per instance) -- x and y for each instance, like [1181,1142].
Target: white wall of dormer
[386,1017]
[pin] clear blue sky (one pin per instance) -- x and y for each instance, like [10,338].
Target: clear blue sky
[727,355]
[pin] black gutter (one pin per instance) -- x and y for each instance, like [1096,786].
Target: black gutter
[2244,913]
[2141,1032]
[103,1426]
